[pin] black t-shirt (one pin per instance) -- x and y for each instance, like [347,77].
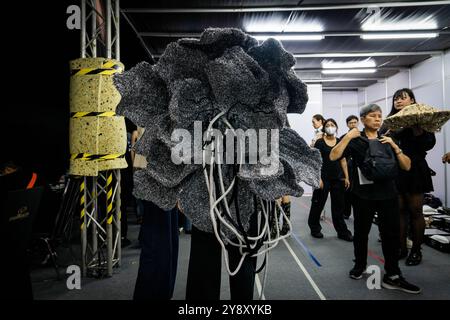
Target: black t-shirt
[378,190]
[331,170]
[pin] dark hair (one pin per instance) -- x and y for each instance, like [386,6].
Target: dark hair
[400,93]
[350,118]
[329,120]
[319,117]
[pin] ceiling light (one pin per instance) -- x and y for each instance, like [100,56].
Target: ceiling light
[331,64]
[375,23]
[279,24]
[290,37]
[346,71]
[379,36]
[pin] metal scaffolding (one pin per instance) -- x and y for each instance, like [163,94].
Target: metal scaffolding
[100,223]
[100,25]
[100,196]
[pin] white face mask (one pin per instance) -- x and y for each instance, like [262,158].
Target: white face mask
[330,130]
[318,129]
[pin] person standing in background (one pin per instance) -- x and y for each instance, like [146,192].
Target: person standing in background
[415,142]
[126,186]
[352,122]
[317,122]
[334,180]
[139,162]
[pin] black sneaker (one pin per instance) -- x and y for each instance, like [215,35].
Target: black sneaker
[414,258]
[397,282]
[318,235]
[346,236]
[357,272]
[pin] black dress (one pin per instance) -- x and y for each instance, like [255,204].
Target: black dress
[418,178]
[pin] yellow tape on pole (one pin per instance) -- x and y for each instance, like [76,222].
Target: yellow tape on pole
[109,200]
[98,137]
[82,205]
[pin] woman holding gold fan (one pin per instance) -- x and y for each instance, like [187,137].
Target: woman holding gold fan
[415,142]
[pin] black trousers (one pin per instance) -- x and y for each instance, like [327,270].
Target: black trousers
[347,203]
[159,254]
[388,224]
[205,268]
[319,198]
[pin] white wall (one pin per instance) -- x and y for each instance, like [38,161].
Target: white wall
[302,122]
[339,105]
[430,81]
[362,99]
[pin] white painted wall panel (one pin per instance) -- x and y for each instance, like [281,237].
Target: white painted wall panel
[302,122]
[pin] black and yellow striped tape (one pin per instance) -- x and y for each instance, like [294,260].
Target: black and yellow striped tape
[108,68]
[82,205]
[109,200]
[92,114]
[91,157]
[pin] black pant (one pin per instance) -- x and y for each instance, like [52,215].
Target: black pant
[388,224]
[347,203]
[319,198]
[204,274]
[159,254]
[126,198]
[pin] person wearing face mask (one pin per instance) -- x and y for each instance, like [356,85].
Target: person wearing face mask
[334,180]
[317,122]
[415,142]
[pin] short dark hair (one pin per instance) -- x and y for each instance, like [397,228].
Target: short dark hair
[319,117]
[399,93]
[329,120]
[350,118]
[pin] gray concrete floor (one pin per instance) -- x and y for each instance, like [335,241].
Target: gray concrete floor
[292,272]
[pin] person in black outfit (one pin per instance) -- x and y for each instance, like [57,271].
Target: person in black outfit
[374,196]
[17,274]
[205,267]
[204,272]
[158,261]
[352,122]
[415,142]
[126,186]
[334,180]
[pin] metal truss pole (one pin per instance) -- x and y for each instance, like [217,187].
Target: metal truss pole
[100,196]
[102,29]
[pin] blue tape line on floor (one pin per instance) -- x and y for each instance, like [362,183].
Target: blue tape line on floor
[307,250]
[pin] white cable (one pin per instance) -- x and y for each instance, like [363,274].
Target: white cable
[216,215]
